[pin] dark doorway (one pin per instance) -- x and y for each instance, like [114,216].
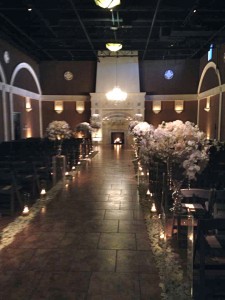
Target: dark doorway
[117,138]
[17,125]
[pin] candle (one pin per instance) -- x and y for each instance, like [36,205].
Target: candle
[153,208]
[43,192]
[25,210]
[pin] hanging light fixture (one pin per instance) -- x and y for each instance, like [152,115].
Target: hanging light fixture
[107,3]
[116,94]
[114,47]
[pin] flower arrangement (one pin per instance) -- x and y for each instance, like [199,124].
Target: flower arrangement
[83,128]
[58,130]
[179,143]
[95,122]
[141,129]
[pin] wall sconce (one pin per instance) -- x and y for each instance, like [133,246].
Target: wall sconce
[207,107]
[28,104]
[156,106]
[179,106]
[80,107]
[58,107]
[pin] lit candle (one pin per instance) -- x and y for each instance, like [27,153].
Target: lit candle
[43,210]
[153,208]
[162,235]
[25,210]
[43,192]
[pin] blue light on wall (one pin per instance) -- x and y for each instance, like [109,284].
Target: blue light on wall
[210,52]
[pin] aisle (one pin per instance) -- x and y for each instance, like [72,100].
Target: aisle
[90,243]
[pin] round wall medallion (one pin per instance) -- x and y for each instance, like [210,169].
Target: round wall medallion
[6,57]
[68,75]
[168,74]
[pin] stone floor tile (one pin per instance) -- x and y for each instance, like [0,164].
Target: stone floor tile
[119,214]
[132,226]
[18,285]
[94,261]
[62,285]
[135,261]
[75,240]
[114,286]
[150,289]
[117,241]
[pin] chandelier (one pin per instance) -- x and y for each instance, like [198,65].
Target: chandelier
[107,3]
[116,94]
[114,47]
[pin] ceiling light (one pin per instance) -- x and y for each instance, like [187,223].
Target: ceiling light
[114,46]
[107,3]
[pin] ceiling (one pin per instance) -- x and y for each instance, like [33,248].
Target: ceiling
[65,30]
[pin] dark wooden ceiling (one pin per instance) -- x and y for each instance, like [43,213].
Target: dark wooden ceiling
[77,29]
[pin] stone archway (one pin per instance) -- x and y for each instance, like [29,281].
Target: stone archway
[17,69]
[217,72]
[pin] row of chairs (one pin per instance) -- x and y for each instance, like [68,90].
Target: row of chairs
[207,207]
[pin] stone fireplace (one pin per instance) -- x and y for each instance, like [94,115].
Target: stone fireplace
[116,116]
[117,138]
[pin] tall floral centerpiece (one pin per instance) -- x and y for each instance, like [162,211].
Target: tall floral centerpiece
[58,131]
[139,130]
[182,146]
[95,122]
[82,130]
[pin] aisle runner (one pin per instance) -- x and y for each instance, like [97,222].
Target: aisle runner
[173,282]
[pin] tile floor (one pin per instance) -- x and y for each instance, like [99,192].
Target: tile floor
[91,243]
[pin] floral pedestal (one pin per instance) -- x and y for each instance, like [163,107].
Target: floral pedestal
[59,167]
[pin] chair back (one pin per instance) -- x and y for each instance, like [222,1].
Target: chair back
[218,205]
[201,196]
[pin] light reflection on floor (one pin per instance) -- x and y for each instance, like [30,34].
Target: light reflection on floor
[117,148]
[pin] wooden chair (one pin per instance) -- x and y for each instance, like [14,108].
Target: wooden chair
[209,255]
[195,201]
[218,204]
[10,193]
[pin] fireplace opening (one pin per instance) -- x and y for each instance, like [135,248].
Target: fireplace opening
[117,138]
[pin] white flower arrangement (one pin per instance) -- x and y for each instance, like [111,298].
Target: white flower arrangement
[58,130]
[83,127]
[141,129]
[180,143]
[95,122]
